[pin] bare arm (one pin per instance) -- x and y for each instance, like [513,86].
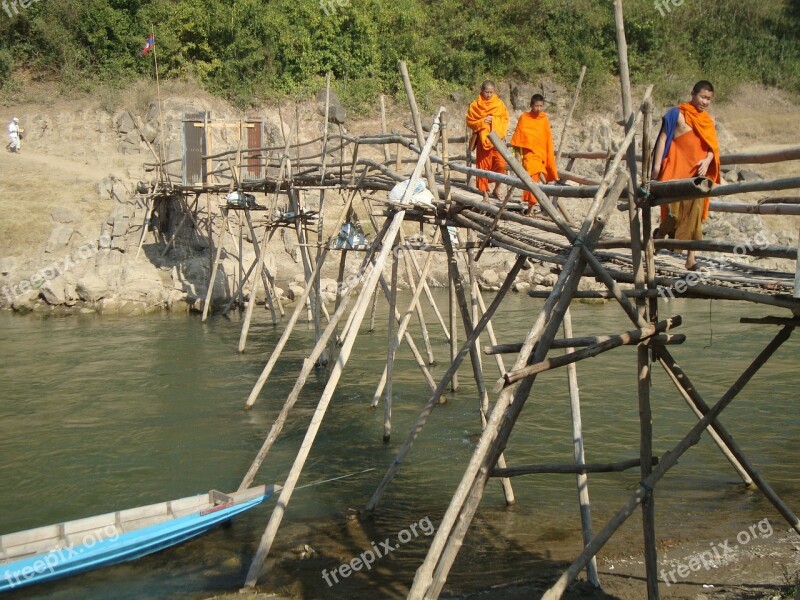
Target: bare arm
[661,141]
[702,166]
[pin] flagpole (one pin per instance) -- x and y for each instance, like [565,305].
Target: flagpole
[158,94]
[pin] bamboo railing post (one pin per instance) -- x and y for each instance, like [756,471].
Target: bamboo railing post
[422,419]
[386,154]
[372,311]
[797,270]
[581,479]
[418,127]
[643,355]
[669,460]
[390,351]
[562,137]
[305,448]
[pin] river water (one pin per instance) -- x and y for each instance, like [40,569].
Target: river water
[99,414]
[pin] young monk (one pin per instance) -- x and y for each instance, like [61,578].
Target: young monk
[487,114]
[534,140]
[686,147]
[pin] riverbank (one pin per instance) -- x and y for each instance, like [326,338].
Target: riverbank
[71,240]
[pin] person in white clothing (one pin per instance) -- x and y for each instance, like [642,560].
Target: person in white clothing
[13,135]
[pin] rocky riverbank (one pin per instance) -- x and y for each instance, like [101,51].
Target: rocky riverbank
[74,220]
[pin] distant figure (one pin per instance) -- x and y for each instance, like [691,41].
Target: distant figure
[487,114]
[533,139]
[14,135]
[686,147]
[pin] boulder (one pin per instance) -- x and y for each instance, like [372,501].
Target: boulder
[124,122]
[7,264]
[520,286]
[59,238]
[294,292]
[91,287]
[521,96]
[749,175]
[54,291]
[490,278]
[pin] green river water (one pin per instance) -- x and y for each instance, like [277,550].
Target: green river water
[99,414]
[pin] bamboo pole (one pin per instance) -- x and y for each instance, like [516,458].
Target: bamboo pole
[215,267]
[418,126]
[276,352]
[427,288]
[635,336]
[577,469]
[405,251]
[797,270]
[422,419]
[669,460]
[432,573]
[253,291]
[305,448]
[582,342]
[562,137]
[643,363]
[453,330]
[691,396]
[305,371]
[386,154]
[390,352]
[490,330]
[581,478]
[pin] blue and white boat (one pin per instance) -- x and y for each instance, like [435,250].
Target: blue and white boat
[54,551]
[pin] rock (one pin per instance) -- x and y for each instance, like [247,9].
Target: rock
[328,285]
[294,292]
[321,98]
[59,238]
[279,293]
[749,175]
[520,286]
[457,97]
[53,291]
[521,95]
[337,115]
[91,287]
[490,278]
[124,123]
[25,302]
[120,227]
[64,214]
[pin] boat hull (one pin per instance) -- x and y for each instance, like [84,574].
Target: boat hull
[114,549]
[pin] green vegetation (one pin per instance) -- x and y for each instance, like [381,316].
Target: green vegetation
[252,50]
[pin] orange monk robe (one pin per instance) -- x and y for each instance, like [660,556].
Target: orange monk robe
[534,137]
[486,155]
[681,163]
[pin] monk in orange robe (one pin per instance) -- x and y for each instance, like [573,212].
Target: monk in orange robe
[487,114]
[533,138]
[687,146]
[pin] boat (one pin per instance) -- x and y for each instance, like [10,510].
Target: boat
[64,549]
